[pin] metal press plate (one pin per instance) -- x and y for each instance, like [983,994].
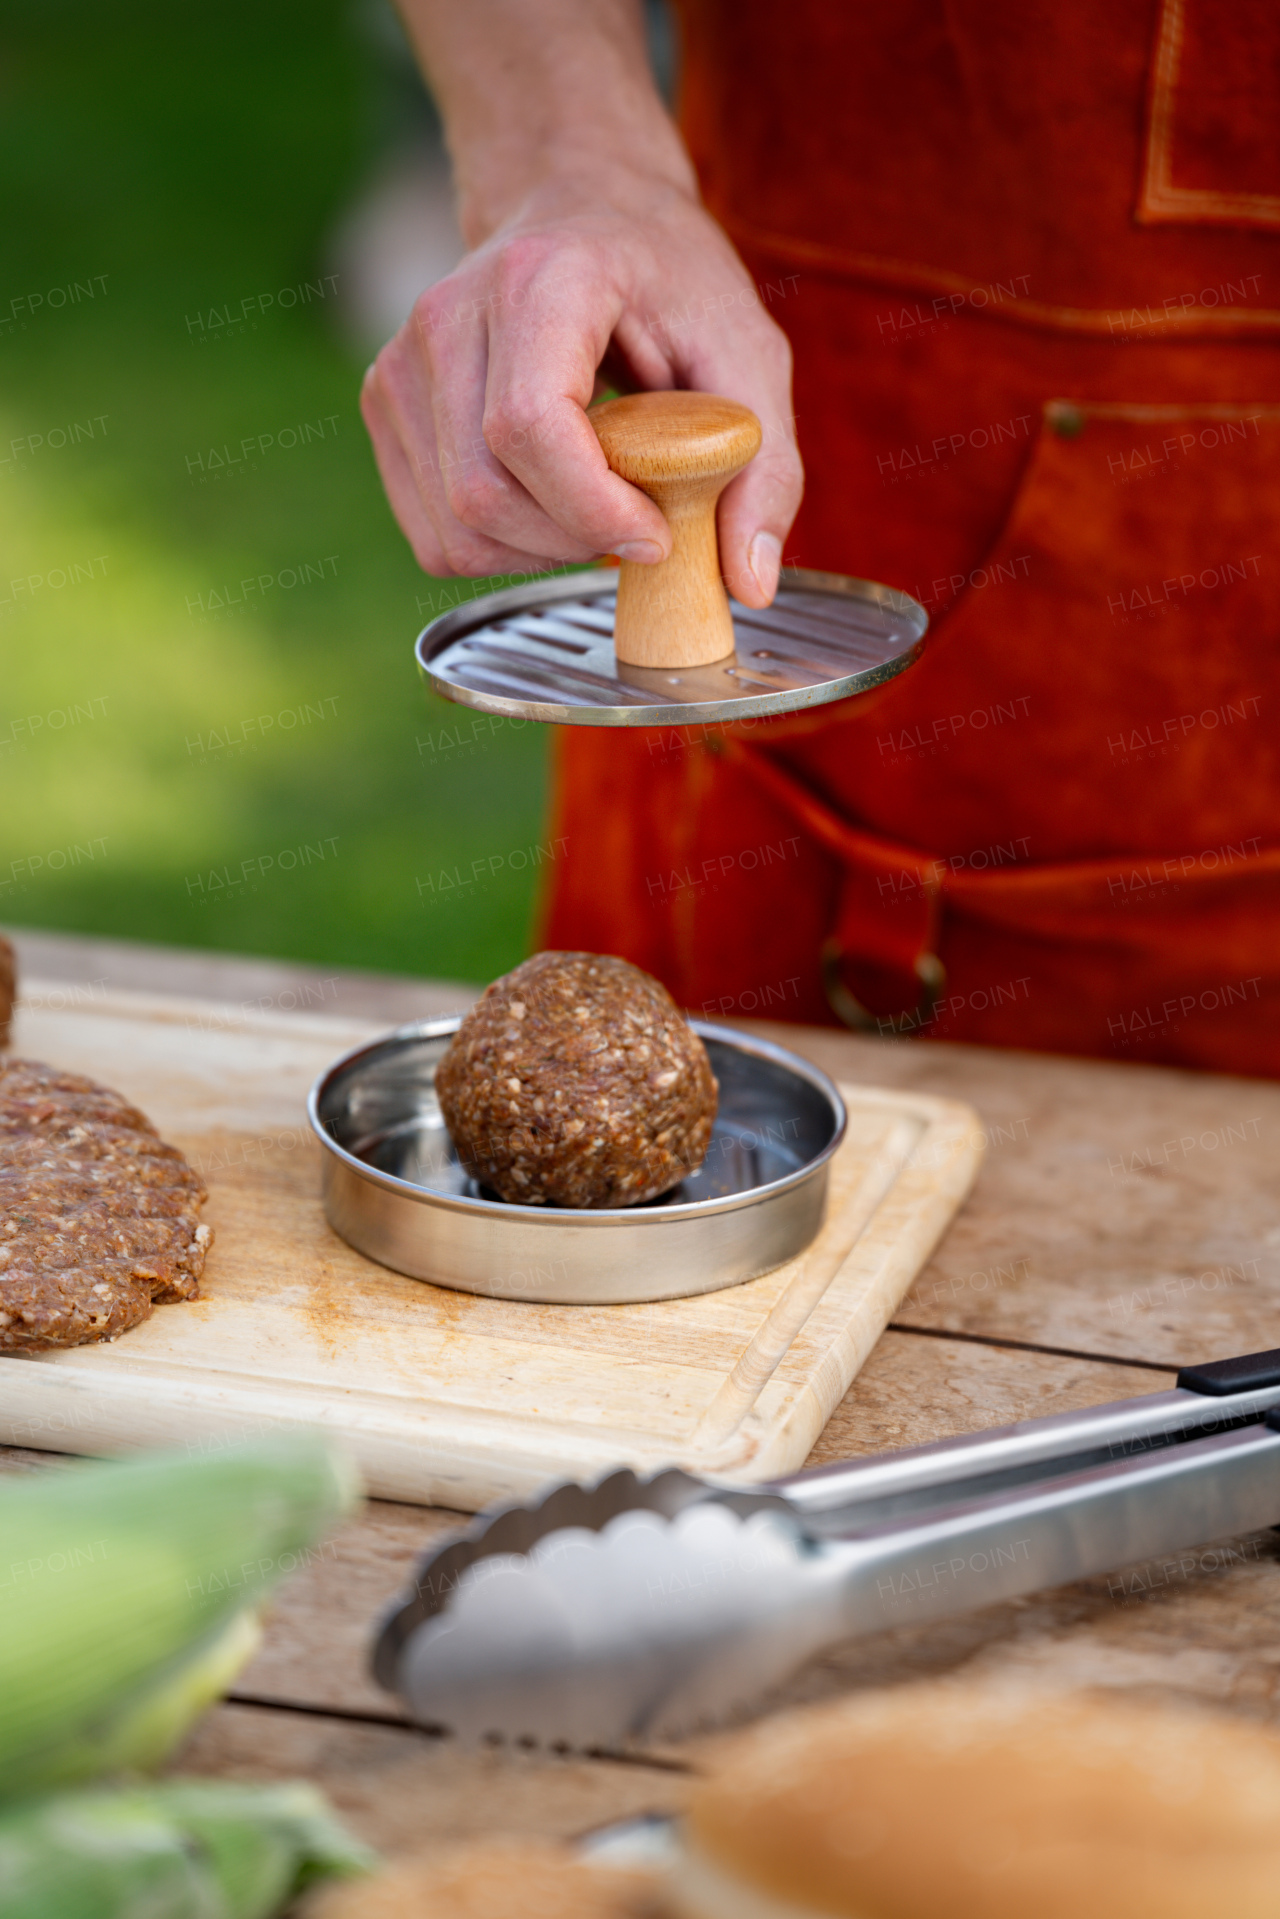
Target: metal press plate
[545,652]
[394,1188]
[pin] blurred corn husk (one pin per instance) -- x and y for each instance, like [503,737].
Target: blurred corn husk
[128,1594]
[184,1849]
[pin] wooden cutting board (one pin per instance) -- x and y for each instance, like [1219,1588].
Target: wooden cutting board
[445,1398]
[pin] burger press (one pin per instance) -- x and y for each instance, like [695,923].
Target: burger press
[395,1189]
[641,1609]
[663,645]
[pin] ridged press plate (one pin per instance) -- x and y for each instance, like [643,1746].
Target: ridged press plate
[545,652]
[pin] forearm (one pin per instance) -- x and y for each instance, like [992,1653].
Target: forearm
[581,210]
[541,91]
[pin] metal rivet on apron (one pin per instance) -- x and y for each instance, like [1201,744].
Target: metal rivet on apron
[1067,421]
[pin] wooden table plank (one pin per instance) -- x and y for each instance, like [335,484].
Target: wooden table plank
[1128,1211]
[403,1790]
[1092,1230]
[1196,1628]
[912,1390]
[88,967]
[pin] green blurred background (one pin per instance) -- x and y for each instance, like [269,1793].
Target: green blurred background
[178,161]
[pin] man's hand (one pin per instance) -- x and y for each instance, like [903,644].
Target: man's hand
[588,257]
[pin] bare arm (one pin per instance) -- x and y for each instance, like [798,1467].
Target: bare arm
[580,204]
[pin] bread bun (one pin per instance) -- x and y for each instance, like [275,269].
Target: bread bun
[950,1803]
[513,1880]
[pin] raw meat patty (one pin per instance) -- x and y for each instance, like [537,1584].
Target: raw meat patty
[576,1081]
[98,1216]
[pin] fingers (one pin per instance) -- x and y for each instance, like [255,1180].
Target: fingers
[544,349]
[723,342]
[465,480]
[442,552]
[476,413]
[757,508]
[548,440]
[477,408]
[461,510]
[754,517]
[397,479]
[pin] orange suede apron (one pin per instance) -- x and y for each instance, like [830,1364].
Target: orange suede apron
[1029,261]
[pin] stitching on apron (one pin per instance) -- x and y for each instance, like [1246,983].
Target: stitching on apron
[879,270]
[1158,199]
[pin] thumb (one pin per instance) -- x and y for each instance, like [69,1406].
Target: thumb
[754,518]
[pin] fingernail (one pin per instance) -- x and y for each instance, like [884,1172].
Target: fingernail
[646,552]
[764,557]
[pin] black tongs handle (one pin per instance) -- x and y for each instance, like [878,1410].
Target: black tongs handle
[1251,1373]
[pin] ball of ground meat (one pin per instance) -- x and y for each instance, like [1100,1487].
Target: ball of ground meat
[576,1081]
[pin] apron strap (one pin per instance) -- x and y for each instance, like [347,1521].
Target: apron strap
[893,897]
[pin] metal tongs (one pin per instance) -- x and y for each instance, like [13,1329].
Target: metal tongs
[644,1609]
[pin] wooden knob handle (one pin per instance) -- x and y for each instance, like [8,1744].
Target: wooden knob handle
[682,449]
